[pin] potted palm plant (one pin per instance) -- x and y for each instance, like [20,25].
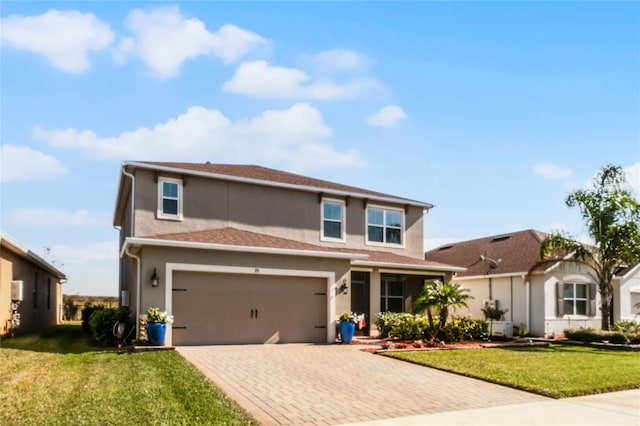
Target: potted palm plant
[347,326]
[157,326]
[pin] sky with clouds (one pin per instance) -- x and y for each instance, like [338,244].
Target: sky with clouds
[491,111]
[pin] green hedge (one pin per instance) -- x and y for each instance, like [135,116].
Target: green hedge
[622,332]
[407,326]
[103,322]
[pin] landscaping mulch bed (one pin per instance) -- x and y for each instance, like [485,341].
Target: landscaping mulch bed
[379,346]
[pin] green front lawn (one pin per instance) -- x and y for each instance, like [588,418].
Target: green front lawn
[59,378]
[557,371]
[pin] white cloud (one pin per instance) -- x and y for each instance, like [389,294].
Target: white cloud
[57,217]
[293,138]
[63,37]
[387,116]
[337,60]
[260,80]
[21,163]
[550,171]
[633,178]
[164,39]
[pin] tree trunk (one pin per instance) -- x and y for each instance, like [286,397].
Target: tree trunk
[606,293]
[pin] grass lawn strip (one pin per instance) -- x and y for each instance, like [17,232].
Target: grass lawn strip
[58,378]
[558,371]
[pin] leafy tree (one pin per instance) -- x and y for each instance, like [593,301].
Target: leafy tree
[439,297]
[612,217]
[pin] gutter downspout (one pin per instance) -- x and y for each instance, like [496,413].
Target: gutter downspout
[528,301]
[133,198]
[137,258]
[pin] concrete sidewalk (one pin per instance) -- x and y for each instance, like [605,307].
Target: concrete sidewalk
[615,408]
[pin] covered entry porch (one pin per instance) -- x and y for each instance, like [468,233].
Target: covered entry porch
[375,290]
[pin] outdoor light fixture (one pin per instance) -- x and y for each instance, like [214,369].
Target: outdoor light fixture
[155,278]
[344,288]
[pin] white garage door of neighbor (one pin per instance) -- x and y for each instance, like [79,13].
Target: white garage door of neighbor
[222,308]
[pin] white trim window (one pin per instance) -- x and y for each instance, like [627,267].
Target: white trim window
[576,299]
[333,223]
[385,226]
[170,198]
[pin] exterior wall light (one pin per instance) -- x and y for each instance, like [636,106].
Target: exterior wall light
[155,278]
[344,288]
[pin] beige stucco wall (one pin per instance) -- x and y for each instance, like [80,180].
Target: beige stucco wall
[47,311]
[158,257]
[286,213]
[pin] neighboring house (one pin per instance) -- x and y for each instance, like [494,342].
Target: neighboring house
[246,254]
[29,286]
[501,270]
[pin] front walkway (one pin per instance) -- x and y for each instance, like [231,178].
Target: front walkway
[297,384]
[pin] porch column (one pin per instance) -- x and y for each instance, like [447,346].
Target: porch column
[374,300]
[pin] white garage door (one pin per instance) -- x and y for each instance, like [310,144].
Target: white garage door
[217,308]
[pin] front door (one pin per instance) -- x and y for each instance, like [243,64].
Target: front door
[360,298]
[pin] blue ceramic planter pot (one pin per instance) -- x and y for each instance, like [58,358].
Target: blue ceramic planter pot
[155,333]
[347,329]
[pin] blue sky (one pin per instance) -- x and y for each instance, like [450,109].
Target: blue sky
[491,111]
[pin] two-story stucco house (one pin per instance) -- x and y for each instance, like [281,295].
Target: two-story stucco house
[246,254]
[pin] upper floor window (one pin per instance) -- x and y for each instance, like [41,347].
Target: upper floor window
[332,221]
[169,198]
[384,226]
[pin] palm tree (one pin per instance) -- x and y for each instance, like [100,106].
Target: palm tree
[612,216]
[441,297]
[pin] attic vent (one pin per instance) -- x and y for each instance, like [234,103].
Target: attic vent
[501,238]
[445,248]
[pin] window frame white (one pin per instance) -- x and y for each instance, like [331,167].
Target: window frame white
[343,221]
[576,299]
[161,197]
[384,226]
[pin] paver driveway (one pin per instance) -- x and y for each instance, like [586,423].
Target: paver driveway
[298,384]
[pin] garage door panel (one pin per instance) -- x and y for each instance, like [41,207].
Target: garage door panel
[213,308]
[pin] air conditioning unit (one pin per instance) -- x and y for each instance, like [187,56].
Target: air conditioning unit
[16,290]
[502,328]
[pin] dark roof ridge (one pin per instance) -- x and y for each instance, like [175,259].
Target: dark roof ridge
[538,235]
[274,177]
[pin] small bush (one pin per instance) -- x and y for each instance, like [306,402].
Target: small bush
[621,334]
[103,321]
[413,327]
[87,311]
[401,325]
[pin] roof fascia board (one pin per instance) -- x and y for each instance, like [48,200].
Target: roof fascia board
[24,252]
[407,266]
[282,185]
[630,272]
[557,264]
[505,275]
[246,249]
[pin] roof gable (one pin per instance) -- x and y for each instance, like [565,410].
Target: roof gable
[514,252]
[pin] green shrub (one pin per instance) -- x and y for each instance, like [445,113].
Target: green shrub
[626,327]
[406,326]
[87,311]
[621,334]
[385,321]
[401,325]
[103,322]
